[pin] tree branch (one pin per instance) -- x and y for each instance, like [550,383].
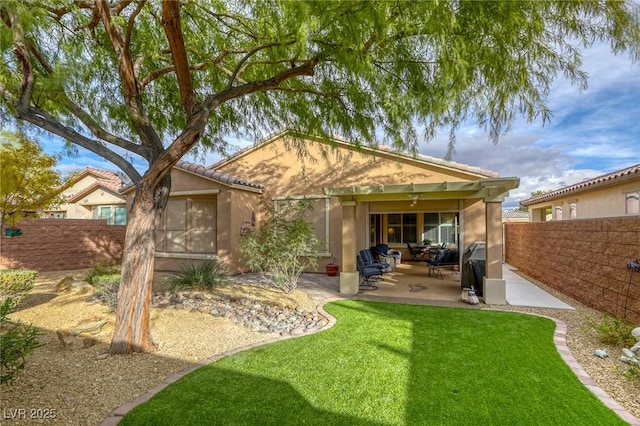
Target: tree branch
[250,54]
[160,72]
[47,122]
[131,22]
[173,30]
[131,94]
[195,126]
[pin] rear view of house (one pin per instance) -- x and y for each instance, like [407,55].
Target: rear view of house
[362,196]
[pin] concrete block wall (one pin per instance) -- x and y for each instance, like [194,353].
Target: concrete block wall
[59,244]
[585,259]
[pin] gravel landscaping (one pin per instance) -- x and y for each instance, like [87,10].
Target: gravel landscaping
[73,380]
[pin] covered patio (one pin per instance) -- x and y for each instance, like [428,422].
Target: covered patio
[478,205]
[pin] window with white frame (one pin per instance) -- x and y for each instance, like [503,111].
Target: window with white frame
[402,228]
[440,228]
[318,215]
[114,215]
[632,203]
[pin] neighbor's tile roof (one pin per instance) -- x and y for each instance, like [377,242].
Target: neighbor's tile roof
[213,175]
[603,180]
[105,179]
[515,214]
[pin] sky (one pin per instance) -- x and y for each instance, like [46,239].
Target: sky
[591,133]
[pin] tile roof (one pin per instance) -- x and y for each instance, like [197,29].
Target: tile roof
[105,179]
[216,176]
[632,172]
[515,214]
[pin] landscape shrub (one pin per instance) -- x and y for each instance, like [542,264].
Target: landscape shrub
[17,340]
[285,247]
[204,275]
[615,331]
[15,285]
[107,287]
[102,269]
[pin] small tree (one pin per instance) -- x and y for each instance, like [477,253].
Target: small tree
[28,181]
[285,247]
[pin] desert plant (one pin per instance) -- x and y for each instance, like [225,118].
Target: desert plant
[285,247]
[107,287]
[102,269]
[614,331]
[15,285]
[17,340]
[204,275]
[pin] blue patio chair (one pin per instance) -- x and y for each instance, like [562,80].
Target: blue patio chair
[388,255]
[369,260]
[368,275]
[445,257]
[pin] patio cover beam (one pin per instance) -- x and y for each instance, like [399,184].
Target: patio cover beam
[489,189]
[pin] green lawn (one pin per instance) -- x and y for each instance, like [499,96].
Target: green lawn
[389,364]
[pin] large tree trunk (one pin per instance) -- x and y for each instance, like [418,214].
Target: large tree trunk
[132,328]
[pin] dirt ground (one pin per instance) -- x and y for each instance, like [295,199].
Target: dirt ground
[72,380]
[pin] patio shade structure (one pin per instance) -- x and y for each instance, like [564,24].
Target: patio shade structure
[492,191]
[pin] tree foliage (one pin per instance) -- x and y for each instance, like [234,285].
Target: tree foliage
[28,181]
[156,79]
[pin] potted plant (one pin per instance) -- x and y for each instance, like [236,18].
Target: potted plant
[332,268]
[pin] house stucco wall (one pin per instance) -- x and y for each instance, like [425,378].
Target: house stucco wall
[82,208]
[608,201]
[585,259]
[283,172]
[62,244]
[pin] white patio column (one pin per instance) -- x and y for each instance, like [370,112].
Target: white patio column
[494,286]
[349,280]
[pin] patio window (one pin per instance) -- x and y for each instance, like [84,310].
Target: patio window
[633,202]
[318,216]
[402,227]
[114,215]
[440,228]
[188,225]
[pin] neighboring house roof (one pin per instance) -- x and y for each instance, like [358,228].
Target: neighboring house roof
[204,172]
[380,150]
[612,178]
[515,214]
[99,184]
[105,179]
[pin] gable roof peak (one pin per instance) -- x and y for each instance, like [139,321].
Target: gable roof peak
[336,139]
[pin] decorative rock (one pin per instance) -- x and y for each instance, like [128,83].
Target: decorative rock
[631,361]
[255,315]
[601,353]
[635,348]
[102,356]
[93,327]
[628,353]
[636,333]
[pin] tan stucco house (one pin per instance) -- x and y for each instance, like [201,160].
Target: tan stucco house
[362,196]
[611,195]
[93,194]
